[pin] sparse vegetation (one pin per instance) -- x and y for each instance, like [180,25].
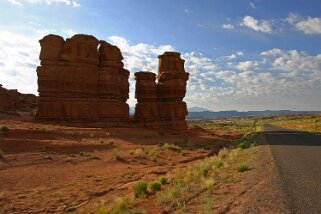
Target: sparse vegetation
[118,157]
[33,113]
[43,129]
[140,189]
[155,186]
[4,130]
[242,167]
[111,142]
[120,206]
[241,146]
[1,154]
[172,147]
[69,159]
[163,180]
[219,164]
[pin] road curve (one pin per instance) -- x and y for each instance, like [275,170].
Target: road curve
[298,159]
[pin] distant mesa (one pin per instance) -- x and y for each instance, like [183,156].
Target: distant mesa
[13,100]
[197,109]
[82,81]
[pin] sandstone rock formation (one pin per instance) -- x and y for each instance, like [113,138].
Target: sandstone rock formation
[162,104]
[146,109]
[82,81]
[14,100]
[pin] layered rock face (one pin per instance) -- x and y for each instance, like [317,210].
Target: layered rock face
[82,80]
[146,109]
[14,100]
[162,104]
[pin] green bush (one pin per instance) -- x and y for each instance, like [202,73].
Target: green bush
[219,164]
[155,186]
[4,129]
[241,146]
[163,180]
[172,147]
[242,167]
[140,189]
[119,158]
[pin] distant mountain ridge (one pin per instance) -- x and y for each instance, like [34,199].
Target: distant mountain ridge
[221,114]
[203,113]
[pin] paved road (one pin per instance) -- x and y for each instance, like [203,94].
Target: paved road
[298,158]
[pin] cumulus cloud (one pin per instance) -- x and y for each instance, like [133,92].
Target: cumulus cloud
[307,25]
[257,25]
[276,79]
[247,65]
[288,79]
[19,57]
[234,55]
[228,26]
[72,3]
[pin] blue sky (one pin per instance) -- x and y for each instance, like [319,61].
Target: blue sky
[242,55]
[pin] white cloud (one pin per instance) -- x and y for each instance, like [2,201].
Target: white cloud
[228,26]
[252,5]
[15,2]
[247,65]
[308,25]
[234,55]
[19,57]
[257,25]
[72,3]
[288,79]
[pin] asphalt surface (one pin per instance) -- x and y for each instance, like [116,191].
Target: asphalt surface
[298,159]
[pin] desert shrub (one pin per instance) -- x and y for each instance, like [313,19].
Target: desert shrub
[33,113]
[242,167]
[43,129]
[161,133]
[120,206]
[1,154]
[155,186]
[140,189]
[82,154]
[112,142]
[170,195]
[4,129]
[160,144]
[223,153]
[241,146]
[163,180]
[219,164]
[172,147]
[118,157]
[153,155]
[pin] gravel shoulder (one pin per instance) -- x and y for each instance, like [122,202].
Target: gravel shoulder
[265,193]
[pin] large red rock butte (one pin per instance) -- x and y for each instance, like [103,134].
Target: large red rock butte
[83,81]
[161,104]
[13,100]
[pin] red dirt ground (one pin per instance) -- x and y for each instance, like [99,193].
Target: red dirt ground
[55,169]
